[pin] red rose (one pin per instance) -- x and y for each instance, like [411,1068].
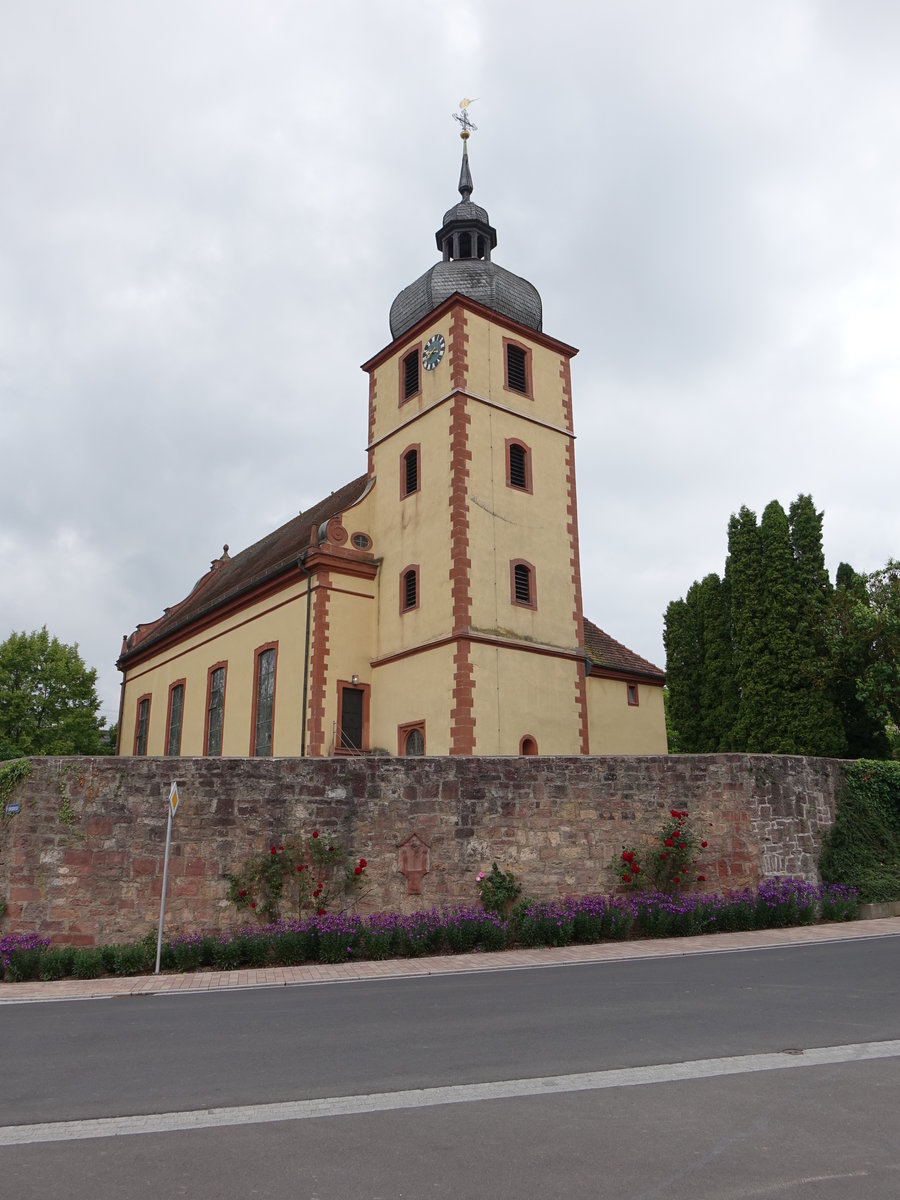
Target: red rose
[273,851]
[320,912]
[281,849]
[357,870]
[701,879]
[363,863]
[253,904]
[626,879]
[704,844]
[682,846]
[664,855]
[636,869]
[315,833]
[331,849]
[673,812]
[670,841]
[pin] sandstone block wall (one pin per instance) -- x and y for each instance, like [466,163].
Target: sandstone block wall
[82,859]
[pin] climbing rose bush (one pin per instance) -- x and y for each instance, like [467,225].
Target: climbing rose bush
[668,865]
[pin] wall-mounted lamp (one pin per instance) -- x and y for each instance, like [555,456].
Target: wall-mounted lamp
[354,679]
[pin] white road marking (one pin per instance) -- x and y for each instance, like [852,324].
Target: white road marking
[506,1089]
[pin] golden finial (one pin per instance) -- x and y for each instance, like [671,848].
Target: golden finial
[463,118]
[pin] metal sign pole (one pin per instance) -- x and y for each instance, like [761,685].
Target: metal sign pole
[173,804]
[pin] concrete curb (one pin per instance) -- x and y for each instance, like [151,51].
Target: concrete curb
[870,912]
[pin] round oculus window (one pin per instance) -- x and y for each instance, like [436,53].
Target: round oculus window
[361,541]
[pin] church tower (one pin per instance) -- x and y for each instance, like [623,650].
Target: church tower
[432,605]
[479,645]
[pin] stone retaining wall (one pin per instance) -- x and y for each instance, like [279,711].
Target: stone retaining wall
[82,859]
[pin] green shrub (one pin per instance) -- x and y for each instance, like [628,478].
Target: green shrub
[135,958]
[862,848]
[497,890]
[24,964]
[291,948]
[87,963]
[56,963]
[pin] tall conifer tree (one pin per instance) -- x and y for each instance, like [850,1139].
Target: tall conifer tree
[719,692]
[684,670]
[818,725]
[772,659]
[743,572]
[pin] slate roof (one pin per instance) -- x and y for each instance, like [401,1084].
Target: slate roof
[607,652]
[228,577]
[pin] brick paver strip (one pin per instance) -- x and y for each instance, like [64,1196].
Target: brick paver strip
[501,960]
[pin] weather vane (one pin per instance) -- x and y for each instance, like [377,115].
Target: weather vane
[463,117]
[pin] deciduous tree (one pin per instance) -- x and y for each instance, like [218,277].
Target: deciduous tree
[48,699]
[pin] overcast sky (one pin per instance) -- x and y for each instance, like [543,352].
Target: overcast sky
[207,208]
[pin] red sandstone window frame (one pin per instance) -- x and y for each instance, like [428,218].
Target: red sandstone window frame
[366,689]
[403,733]
[254,711]
[219,666]
[415,448]
[404,595]
[148,697]
[531,602]
[178,683]
[526,450]
[633,695]
[528,393]
[401,374]
[528,744]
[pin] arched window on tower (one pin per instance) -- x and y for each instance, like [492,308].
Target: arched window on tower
[409,471]
[518,367]
[518,465]
[523,592]
[409,589]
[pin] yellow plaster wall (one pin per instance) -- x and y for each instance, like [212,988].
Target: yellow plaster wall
[434,385]
[616,727]
[412,531]
[351,620]
[415,688]
[487,371]
[280,617]
[519,693]
[507,524]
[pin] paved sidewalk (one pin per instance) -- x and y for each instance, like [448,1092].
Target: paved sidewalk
[398,968]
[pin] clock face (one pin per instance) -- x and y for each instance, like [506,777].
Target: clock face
[433,352]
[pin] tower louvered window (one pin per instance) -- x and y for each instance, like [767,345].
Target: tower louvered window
[410,472]
[410,589]
[523,591]
[411,374]
[518,472]
[516,369]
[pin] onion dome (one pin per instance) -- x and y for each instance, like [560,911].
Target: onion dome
[465,241]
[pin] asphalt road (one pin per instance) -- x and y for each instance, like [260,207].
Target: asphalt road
[368,1056]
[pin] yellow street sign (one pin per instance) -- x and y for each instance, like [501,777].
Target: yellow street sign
[173,797]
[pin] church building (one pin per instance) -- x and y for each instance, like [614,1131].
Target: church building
[433,604]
